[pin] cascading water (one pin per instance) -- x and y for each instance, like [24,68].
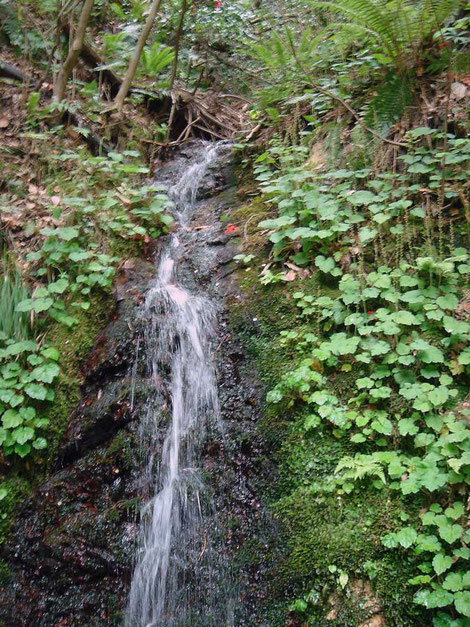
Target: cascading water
[179,579]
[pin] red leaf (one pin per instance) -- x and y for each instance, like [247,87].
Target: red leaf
[231,228]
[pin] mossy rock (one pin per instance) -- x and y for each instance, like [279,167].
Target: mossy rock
[16,490]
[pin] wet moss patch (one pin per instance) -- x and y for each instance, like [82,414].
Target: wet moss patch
[75,344]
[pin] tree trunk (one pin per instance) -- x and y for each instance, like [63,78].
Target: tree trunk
[127,81]
[177,43]
[75,48]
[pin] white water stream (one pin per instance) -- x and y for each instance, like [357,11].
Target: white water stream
[177,339]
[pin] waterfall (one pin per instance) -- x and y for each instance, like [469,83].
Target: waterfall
[179,579]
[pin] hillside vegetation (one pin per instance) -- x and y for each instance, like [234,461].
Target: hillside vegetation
[351,124]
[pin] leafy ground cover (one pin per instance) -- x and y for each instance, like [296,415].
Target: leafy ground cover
[386,308]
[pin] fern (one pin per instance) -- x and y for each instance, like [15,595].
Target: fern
[358,467]
[9,24]
[156,59]
[401,26]
[392,98]
[276,53]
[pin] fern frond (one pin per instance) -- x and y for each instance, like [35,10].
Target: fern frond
[401,26]
[156,59]
[358,467]
[394,95]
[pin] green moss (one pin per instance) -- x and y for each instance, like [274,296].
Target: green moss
[121,450]
[247,218]
[251,552]
[76,342]
[74,345]
[16,491]
[125,248]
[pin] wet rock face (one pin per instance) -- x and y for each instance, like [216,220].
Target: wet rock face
[72,547]
[72,550]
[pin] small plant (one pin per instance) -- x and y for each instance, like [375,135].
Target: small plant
[244,259]
[156,59]
[26,375]
[13,290]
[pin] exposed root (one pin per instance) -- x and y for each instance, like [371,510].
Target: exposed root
[204,547]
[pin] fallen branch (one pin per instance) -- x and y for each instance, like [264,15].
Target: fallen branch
[9,71]
[209,132]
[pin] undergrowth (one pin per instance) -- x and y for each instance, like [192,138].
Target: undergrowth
[57,273]
[379,374]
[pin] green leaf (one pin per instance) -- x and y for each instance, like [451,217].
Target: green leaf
[362,197]
[42,304]
[28,413]
[441,563]
[34,390]
[420,168]
[22,449]
[34,359]
[456,511]
[439,598]
[464,357]
[421,130]
[325,264]
[25,305]
[450,533]
[51,353]
[455,327]
[429,543]
[407,426]
[406,537]
[462,603]
[404,317]
[80,255]
[379,347]
[433,480]
[358,438]
[341,344]
[46,372]
[449,301]
[439,395]
[453,582]
[431,355]
[40,443]
[67,233]
[20,347]
[464,553]
[58,287]
[277,222]
[23,434]
[366,234]
[11,419]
